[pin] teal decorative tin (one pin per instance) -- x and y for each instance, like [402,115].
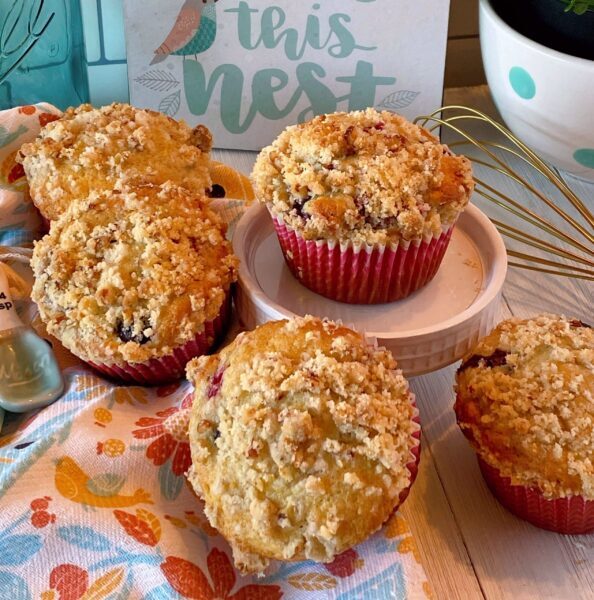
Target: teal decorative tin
[105,44]
[42,56]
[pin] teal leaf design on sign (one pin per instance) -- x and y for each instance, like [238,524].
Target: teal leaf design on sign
[398,100]
[13,587]
[18,549]
[84,537]
[158,80]
[171,484]
[106,484]
[170,104]
[6,137]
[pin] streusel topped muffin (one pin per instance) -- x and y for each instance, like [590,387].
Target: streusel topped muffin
[363,177]
[127,276]
[95,149]
[525,400]
[301,438]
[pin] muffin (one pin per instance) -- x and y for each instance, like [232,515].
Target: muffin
[91,149]
[525,401]
[363,203]
[304,441]
[136,282]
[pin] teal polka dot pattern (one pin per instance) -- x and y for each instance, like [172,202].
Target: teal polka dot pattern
[585,156]
[522,83]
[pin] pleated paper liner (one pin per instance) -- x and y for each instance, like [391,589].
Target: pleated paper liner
[415,452]
[570,515]
[361,275]
[170,368]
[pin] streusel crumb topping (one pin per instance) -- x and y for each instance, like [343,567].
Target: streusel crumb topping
[131,275]
[526,402]
[300,437]
[364,177]
[90,149]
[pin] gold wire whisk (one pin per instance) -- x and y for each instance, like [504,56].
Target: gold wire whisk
[579,258]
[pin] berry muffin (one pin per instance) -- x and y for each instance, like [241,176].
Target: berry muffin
[100,149]
[363,203]
[525,401]
[136,282]
[304,441]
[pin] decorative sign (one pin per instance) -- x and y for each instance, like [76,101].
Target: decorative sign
[247,69]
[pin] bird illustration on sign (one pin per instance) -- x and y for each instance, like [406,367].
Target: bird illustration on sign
[193,32]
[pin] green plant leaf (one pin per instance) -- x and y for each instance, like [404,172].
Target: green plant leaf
[579,7]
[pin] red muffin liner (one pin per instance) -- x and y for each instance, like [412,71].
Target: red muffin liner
[571,515]
[172,367]
[45,224]
[364,275]
[415,451]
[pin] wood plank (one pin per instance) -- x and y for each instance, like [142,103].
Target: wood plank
[511,558]
[463,18]
[441,548]
[464,64]
[241,160]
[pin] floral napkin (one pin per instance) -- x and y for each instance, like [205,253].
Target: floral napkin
[94,503]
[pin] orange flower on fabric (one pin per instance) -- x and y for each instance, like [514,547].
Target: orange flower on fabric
[170,428]
[45,118]
[345,564]
[70,581]
[144,527]
[187,579]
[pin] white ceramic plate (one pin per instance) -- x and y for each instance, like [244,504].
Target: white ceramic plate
[428,330]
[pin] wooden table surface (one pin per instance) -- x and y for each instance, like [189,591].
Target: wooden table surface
[470,546]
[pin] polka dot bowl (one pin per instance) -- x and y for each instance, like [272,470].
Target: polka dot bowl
[545,97]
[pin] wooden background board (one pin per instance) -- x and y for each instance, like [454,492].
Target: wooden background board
[470,546]
[464,66]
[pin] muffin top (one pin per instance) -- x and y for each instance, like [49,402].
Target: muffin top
[102,149]
[526,403]
[300,434]
[363,177]
[128,276]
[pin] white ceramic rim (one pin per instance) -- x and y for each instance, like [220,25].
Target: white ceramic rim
[526,41]
[275,310]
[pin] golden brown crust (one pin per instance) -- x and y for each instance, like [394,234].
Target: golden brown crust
[525,400]
[131,275]
[300,436]
[364,177]
[101,149]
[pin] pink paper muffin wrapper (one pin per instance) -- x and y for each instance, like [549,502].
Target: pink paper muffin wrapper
[45,224]
[415,451]
[361,275]
[571,515]
[172,367]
